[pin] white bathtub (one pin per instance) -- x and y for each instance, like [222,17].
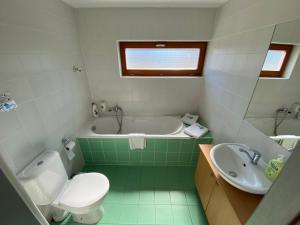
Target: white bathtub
[288,130]
[156,126]
[289,126]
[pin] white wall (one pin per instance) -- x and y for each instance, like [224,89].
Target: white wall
[286,33]
[271,94]
[235,58]
[100,29]
[38,46]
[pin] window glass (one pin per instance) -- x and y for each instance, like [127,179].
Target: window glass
[162,59]
[274,60]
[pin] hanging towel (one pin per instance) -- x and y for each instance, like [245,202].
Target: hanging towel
[196,130]
[137,141]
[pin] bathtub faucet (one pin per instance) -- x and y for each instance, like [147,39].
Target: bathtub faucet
[115,108]
[119,116]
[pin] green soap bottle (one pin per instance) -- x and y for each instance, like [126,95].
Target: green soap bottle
[274,167]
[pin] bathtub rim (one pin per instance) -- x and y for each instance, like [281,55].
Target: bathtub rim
[85,132]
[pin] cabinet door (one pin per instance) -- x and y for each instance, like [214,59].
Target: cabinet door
[219,210]
[204,180]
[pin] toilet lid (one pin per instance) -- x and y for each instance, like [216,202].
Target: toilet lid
[84,190]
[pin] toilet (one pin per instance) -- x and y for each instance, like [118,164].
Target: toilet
[46,182]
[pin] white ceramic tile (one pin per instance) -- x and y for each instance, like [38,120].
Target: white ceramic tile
[19,89]
[243,31]
[271,94]
[18,151]
[30,63]
[10,64]
[151,96]
[9,124]
[48,111]
[39,83]
[31,122]
[39,45]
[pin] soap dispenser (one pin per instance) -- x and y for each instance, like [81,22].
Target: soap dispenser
[95,110]
[274,167]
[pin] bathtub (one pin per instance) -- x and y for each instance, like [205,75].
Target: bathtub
[155,126]
[288,130]
[289,126]
[166,143]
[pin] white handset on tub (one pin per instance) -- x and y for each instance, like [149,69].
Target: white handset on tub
[196,130]
[189,119]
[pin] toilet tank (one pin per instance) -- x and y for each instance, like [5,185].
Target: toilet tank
[44,178]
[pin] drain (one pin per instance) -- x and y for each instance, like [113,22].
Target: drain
[232,174]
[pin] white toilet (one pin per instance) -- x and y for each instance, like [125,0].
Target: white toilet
[46,182]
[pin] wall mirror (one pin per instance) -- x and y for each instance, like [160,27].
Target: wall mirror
[275,105]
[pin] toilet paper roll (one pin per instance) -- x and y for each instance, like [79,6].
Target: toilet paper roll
[70,150]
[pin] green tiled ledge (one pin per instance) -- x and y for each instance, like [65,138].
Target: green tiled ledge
[158,152]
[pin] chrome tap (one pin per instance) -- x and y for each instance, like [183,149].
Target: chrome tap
[255,157]
[119,116]
[115,108]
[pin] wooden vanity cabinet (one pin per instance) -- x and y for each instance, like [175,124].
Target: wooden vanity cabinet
[219,210]
[223,203]
[204,180]
[214,200]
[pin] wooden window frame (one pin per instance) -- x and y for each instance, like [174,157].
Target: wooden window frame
[280,47]
[123,45]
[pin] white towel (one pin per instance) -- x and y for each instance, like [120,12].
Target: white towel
[137,141]
[196,130]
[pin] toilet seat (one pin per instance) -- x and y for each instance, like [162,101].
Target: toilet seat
[45,180]
[83,192]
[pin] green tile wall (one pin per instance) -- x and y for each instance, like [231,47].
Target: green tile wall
[158,152]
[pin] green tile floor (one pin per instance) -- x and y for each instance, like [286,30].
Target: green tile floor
[149,195]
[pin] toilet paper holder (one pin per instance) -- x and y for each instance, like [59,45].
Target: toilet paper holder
[65,141]
[69,146]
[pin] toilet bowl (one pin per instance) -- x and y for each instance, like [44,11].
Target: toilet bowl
[83,196]
[46,182]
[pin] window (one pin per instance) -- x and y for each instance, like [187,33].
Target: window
[276,60]
[162,58]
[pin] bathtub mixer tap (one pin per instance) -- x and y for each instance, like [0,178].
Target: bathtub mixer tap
[119,116]
[115,108]
[284,112]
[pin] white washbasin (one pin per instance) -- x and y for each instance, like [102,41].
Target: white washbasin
[236,168]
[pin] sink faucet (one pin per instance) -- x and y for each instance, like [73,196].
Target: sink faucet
[255,157]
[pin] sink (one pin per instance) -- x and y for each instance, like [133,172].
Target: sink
[236,168]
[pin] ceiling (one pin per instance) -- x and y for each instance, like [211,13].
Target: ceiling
[144,3]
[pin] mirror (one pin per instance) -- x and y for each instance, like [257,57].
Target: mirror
[275,105]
